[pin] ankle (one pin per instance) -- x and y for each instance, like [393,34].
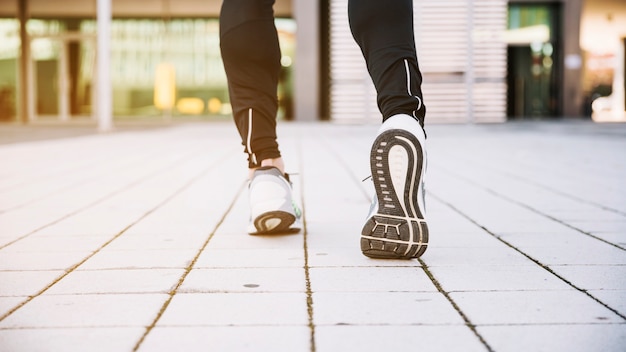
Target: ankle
[275,162]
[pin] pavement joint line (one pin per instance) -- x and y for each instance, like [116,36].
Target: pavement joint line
[528,256]
[100,200]
[537,184]
[432,278]
[86,180]
[189,267]
[140,218]
[536,211]
[528,207]
[67,272]
[567,195]
[456,307]
[307,274]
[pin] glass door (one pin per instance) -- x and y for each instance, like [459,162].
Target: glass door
[46,64]
[534,54]
[62,70]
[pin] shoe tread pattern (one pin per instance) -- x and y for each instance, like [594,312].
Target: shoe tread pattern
[397,230]
[274,222]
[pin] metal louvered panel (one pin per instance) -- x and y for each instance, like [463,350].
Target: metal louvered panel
[489,61]
[461,54]
[352,94]
[441,36]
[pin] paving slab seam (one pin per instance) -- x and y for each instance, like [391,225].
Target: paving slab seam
[536,211]
[188,269]
[143,216]
[529,257]
[456,307]
[83,181]
[101,199]
[307,274]
[553,324]
[534,183]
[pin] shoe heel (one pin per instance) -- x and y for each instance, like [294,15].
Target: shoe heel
[392,238]
[274,222]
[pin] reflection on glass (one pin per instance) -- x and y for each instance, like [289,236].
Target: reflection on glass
[9,52]
[532,37]
[63,60]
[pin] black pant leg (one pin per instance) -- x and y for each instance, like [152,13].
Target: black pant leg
[385,33]
[251,57]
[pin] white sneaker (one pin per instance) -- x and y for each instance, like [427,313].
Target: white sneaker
[272,209]
[396,226]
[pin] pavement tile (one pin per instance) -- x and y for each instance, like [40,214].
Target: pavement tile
[333,234]
[244,280]
[593,215]
[538,224]
[616,238]
[166,240]
[102,339]
[586,253]
[594,277]
[449,222]
[242,240]
[532,307]
[8,303]
[496,278]
[93,222]
[516,304]
[76,227]
[377,338]
[467,239]
[616,299]
[459,257]
[240,309]
[40,261]
[173,223]
[595,226]
[350,257]
[383,308]
[250,258]
[349,210]
[79,311]
[370,279]
[550,338]
[117,281]
[35,243]
[140,259]
[24,221]
[568,237]
[228,338]
[26,283]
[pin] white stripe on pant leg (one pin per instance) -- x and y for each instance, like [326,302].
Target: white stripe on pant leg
[408,77]
[408,88]
[249,138]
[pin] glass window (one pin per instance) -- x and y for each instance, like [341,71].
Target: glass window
[187,49]
[9,54]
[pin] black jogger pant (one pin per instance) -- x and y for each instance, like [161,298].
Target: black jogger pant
[251,55]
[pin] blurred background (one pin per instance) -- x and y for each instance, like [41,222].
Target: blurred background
[482,60]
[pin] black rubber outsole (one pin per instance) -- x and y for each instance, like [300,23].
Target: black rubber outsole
[286,220]
[397,230]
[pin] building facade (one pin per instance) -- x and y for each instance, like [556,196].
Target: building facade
[482,60]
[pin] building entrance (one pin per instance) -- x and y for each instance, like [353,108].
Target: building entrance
[61,75]
[533,61]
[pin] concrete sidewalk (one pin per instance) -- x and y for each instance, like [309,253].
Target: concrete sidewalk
[136,240]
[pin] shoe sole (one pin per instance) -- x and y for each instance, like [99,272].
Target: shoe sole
[398,229]
[273,222]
